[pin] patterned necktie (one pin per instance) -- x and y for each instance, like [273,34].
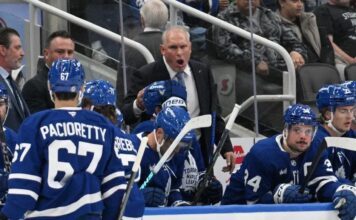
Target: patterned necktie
[180,78]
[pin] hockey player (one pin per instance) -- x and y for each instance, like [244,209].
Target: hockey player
[169,93]
[336,104]
[275,168]
[100,96]
[8,140]
[352,86]
[163,189]
[64,165]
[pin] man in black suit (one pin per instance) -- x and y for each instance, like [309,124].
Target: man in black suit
[198,80]
[35,91]
[11,54]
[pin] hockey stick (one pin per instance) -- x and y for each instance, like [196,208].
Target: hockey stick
[338,142]
[194,123]
[222,140]
[212,137]
[134,171]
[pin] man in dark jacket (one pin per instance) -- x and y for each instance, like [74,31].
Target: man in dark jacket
[35,92]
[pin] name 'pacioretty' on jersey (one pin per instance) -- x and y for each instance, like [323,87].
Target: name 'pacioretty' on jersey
[64,129]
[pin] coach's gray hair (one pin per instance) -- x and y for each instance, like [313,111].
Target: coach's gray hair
[154,14]
[175,28]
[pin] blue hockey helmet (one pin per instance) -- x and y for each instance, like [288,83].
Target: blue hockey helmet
[158,92]
[4,96]
[323,97]
[100,92]
[341,96]
[351,85]
[66,75]
[299,114]
[172,120]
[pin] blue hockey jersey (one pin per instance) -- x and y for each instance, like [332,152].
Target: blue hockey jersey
[64,166]
[343,161]
[268,165]
[126,147]
[167,179]
[11,138]
[193,168]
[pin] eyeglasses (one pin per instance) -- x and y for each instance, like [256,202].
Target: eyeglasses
[305,131]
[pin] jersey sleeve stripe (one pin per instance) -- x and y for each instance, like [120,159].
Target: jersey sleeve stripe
[23,192]
[64,210]
[111,191]
[322,178]
[322,183]
[113,176]
[25,177]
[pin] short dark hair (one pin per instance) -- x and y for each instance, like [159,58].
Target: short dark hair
[5,34]
[61,33]
[65,96]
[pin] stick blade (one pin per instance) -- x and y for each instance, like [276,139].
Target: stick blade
[202,121]
[341,142]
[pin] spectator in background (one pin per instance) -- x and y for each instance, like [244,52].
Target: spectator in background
[266,23]
[11,54]
[303,25]
[106,14]
[198,80]
[154,17]
[338,19]
[35,91]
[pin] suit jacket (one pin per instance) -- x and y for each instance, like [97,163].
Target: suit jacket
[35,91]
[15,115]
[206,90]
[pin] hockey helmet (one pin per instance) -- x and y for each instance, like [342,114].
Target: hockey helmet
[172,120]
[66,75]
[299,114]
[100,92]
[158,92]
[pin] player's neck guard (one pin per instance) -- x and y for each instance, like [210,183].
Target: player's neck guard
[158,145]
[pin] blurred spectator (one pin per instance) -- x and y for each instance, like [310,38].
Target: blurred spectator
[106,14]
[304,26]
[154,17]
[35,91]
[338,19]
[265,23]
[11,54]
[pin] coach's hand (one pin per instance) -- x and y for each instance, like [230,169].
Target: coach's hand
[230,162]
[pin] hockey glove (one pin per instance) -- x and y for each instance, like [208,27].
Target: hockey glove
[180,203]
[344,200]
[212,194]
[154,197]
[289,193]
[3,183]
